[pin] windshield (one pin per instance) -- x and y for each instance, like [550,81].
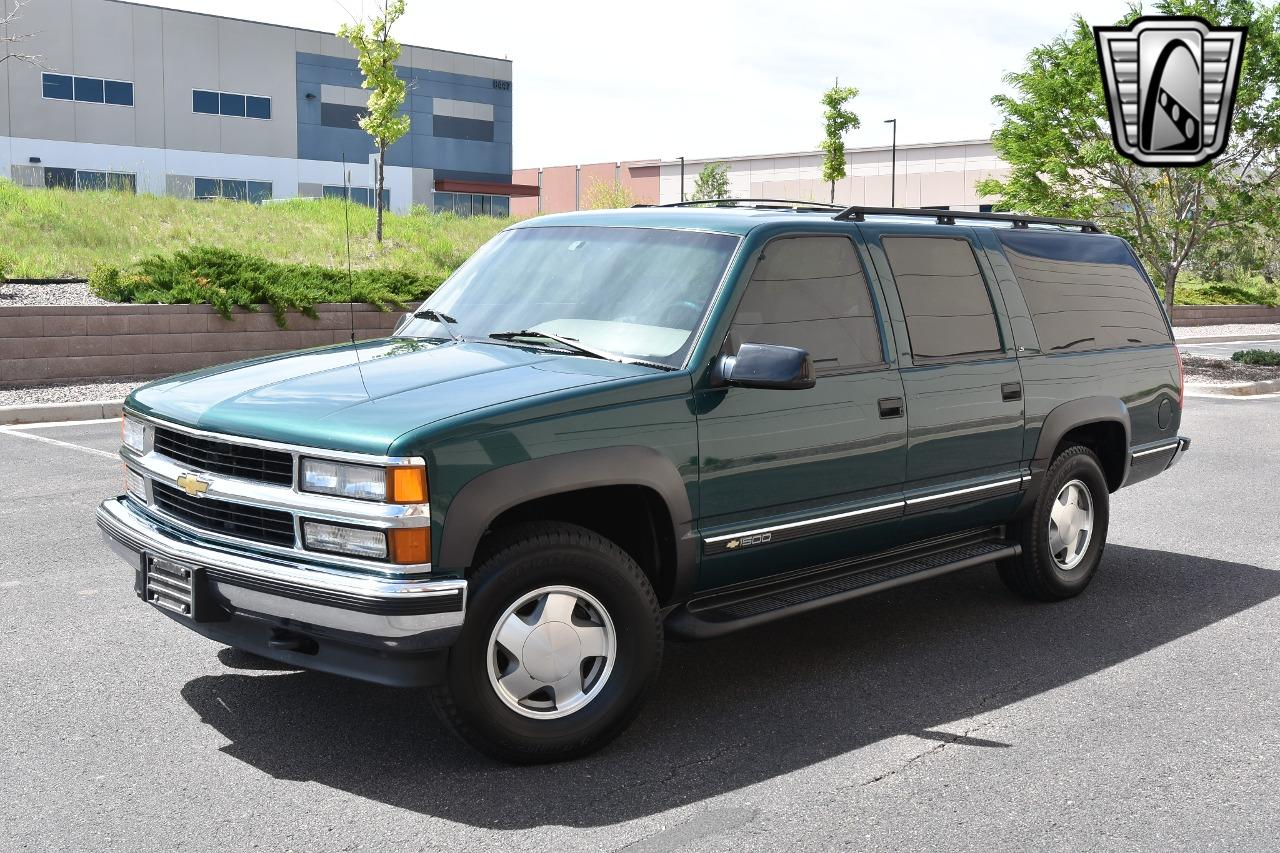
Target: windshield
[638,293]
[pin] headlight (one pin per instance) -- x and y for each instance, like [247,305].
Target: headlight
[401,485]
[356,541]
[347,481]
[133,434]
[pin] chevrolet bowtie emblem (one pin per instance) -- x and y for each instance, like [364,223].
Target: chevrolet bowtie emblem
[1171,86]
[193,485]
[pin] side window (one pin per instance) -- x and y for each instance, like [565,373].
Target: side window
[1085,291]
[945,300]
[810,292]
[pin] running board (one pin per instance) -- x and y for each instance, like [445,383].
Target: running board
[725,612]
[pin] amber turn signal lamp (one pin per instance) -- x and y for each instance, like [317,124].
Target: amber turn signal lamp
[407,485]
[410,545]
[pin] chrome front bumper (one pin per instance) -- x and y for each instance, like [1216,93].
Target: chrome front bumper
[391,613]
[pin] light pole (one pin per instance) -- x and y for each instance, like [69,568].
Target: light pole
[682,179]
[893,164]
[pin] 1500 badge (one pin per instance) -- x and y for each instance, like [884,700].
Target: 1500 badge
[746,541]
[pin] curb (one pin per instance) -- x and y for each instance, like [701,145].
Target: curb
[1245,389]
[52,412]
[1226,339]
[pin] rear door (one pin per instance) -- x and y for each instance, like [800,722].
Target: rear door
[791,479]
[960,375]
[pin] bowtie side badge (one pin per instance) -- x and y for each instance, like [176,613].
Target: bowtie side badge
[1171,87]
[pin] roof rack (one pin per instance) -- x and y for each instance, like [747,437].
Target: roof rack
[949,217]
[755,203]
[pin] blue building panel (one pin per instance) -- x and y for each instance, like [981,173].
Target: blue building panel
[475,158]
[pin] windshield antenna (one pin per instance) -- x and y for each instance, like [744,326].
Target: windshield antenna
[351,283]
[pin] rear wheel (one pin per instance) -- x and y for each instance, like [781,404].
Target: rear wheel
[1063,537]
[562,640]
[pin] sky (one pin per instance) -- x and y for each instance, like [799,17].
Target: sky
[604,82]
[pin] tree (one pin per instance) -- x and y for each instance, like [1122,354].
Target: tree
[1056,137]
[602,195]
[712,183]
[837,120]
[378,53]
[8,18]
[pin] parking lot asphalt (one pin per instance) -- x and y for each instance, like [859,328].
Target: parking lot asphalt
[1227,348]
[1143,715]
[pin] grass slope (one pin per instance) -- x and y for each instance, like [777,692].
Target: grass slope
[55,233]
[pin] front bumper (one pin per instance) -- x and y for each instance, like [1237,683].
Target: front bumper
[379,629]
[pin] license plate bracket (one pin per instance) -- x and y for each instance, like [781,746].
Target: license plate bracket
[173,586]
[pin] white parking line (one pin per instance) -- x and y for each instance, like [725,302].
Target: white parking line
[51,424]
[95,451]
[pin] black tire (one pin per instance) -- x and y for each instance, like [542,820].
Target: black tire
[1035,574]
[528,558]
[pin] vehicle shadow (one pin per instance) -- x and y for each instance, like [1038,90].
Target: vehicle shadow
[742,709]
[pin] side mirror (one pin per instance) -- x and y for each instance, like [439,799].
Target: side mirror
[768,366]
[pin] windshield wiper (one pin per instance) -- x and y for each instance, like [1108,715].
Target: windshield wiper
[568,343]
[577,348]
[438,317]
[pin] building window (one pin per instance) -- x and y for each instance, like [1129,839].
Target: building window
[341,116]
[58,87]
[86,180]
[359,195]
[985,208]
[469,204]
[451,127]
[229,189]
[230,104]
[63,179]
[90,90]
[257,107]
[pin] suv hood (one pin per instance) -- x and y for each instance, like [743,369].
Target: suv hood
[321,398]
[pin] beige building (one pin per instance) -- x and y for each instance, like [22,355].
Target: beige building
[933,174]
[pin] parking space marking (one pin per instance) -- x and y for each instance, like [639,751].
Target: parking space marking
[19,434]
[52,424]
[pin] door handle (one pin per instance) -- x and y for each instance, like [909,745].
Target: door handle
[890,407]
[1011,391]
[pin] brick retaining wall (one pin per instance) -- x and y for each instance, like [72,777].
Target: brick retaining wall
[54,343]
[1216,315]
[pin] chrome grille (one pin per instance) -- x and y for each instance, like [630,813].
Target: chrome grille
[223,457]
[169,586]
[258,524]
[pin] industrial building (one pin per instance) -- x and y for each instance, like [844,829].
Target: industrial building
[942,175]
[146,99]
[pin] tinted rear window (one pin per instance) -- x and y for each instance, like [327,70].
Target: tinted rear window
[945,300]
[1084,291]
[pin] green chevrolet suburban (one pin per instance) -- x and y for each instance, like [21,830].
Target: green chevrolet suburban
[611,427]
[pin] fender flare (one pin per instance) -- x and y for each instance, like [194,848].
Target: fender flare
[492,493]
[1060,421]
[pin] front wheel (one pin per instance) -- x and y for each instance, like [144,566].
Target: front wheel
[1063,536]
[562,639]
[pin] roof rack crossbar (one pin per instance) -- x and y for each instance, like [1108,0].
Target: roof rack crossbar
[858,213]
[753,202]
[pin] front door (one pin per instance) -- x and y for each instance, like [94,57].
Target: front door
[961,378]
[791,479]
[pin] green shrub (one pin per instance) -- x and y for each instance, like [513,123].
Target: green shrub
[1263,357]
[1250,290]
[226,279]
[104,283]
